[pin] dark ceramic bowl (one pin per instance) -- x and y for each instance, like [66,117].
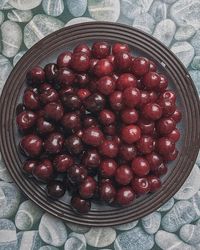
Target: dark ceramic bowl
[46,51]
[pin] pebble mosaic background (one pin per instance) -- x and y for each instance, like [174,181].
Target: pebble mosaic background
[176,225]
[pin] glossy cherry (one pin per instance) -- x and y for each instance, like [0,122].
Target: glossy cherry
[165,126]
[126,80]
[77,174]
[54,111]
[92,136]
[31,100]
[160,170]
[145,145]
[108,168]
[31,145]
[71,121]
[123,175]
[163,83]
[35,76]
[48,95]
[127,151]
[103,68]
[51,72]
[152,111]
[147,126]
[152,66]
[125,196]
[106,117]
[141,185]
[80,62]
[91,159]
[80,205]
[43,171]
[165,146]
[94,102]
[101,50]
[64,59]
[26,120]
[140,166]
[154,160]
[65,77]
[107,192]
[174,135]
[106,85]
[109,148]
[132,97]
[83,94]
[28,167]
[116,100]
[62,163]
[87,188]
[83,47]
[74,145]
[140,66]
[129,116]
[82,79]
[155,183]
[71,101]
[44,127]
[176,116]
[151,80]
[54,143]
[122,61]
[56,189]
[130,134]
[119,47]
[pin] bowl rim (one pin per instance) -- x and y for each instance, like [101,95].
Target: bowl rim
[155,49]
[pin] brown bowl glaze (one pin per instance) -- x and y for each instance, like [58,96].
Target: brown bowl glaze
[45,51]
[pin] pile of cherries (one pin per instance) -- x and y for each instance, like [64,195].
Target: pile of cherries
[99,123]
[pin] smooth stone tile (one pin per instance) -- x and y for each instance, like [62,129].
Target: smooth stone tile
[195,42]
[165,31]
[10,199]
[196,63]
[103,10]
[100,237]
[48,247]
[74,243]
[195,200]
[184,51]
[182,213]
[21,16]
[167,206]
[52,7]
[79,20]
[184,32]
[190,234]
[81,237]
[5,69]
[24,4]
[144,22]
[77,7]
[134,239]
[40,26]
[158,11]
[191,185]
[18,57]
[151,222]
[186,12]
[52,230]
[29,240]
[195,75]
[11,35]
[1,17]
[127,226]
[4,5]
[4,174]
[27,215]
[8,236]
[77,228]
[170,241]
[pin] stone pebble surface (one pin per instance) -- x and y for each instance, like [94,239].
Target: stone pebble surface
[176,224]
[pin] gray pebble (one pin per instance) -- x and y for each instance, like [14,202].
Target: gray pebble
[124,20]
[5,69]
[144,22]
[48,248]
[182,213]
[4,5]
[169,1]
[24,4]
[103,10]
[52,230]
[158,11]
[29,240]
[190,234]
[195,41]
[81,237]
[40,26]
[1,17]
[185,12]
[191,185]
[134,239]
[170,241]
[127,226]
[198,159]
[184,32]
[79,20]
[195,75]
[165,31]
[77,7]
[27,215]
[20,16]
[100,237]
[77,228]
[11,38]
[18,57]
[196,64]
[167,206]
[195,200]
[4,174]
[184,51]
[8,236]
[151,222]
[74,243]
[10,199]
[52,7]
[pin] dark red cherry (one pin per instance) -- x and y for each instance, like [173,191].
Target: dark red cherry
[168,107]
[119,47]
[77,174]
[151,80]
[125,196]
[56,189]
[54,111]
[174,135]
[35,76]
[93,62]
[80,62]
[147,126]
[140,66]
[83,94]
[92,136]
[43,171]
[110,129]
[80,205]
[28,167]
[154,182]
[31,100]
[31,145]
[168,95]
[154,160]
[165,146]
[126,80]
[65,77]
[94,102]
[89,121]
[106,117]
[108,168]
[130,134]
[109,148]
[160,170]
[64,59]
[82,79]
[141,185]
[145,145]
[123,61]
[153,96]
[127,152]
[50,72]
[163,83]
[83,48]
[26,120]
[87,188]
[44,127]
[71,121]
[111,59]
[106,85]
[74,144]
[140,166]
[66,90]
[129,116]
[91,158]
[71,101]
[100,50]
[165,126]
[171,156]
[123,175]
[48,95]
[132,97]
[152,111]
[116,100]
[103,68]
[152,66]
[62,163]
[54,143]
[176,116]
[107,192]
